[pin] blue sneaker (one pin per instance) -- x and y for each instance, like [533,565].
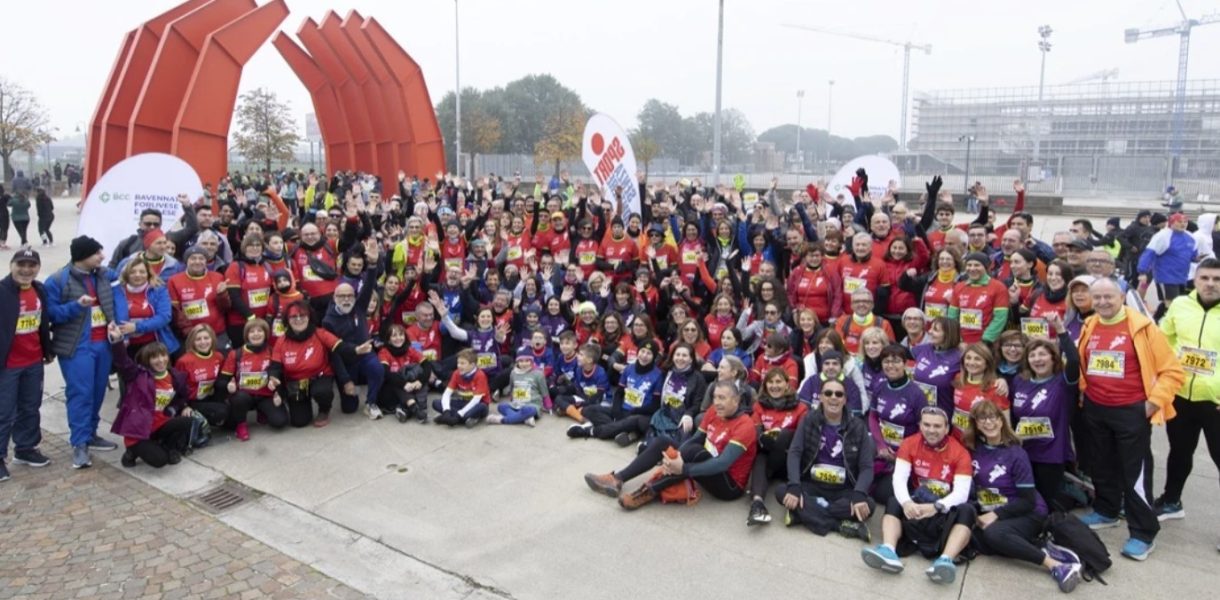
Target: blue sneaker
[1060,554]
[1138,549]
[1067,575]
[942,570]
[882,557]
[1096,520]
[1168,510]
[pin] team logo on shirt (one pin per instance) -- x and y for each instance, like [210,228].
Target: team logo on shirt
[1038,398]
[308,353]
[837,449]
[944,472]
[1118,340]
[997,472]
[938,371]
[898,409]
[980,300]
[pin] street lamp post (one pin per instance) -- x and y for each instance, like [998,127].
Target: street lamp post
[830,93]
[1044,46]
[969,139]
[800,96]
[457,61]
[716,117]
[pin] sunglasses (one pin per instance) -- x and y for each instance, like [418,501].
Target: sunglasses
[833,394]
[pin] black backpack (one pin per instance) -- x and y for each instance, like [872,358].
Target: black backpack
[1066,530]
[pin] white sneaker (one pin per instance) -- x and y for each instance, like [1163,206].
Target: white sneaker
[495,419]
[532,422]
[373,411]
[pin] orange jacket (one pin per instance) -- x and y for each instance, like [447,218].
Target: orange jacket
[1159,368]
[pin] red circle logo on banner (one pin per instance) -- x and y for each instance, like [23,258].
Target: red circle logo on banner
[598,143]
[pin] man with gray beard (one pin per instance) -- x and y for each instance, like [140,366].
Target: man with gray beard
[347,318]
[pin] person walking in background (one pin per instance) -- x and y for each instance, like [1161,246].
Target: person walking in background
[4,196]
[19,214]
[46,216]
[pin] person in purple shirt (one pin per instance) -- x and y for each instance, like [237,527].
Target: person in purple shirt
[937,362]
[832,369]
[1011,514]
[893,417]
[1044,396]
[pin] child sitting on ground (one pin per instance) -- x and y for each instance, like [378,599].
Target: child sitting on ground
[405,374]
[528,396]
[588,388]
[467,396]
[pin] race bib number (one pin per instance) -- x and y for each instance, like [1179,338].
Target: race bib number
[633,398]
[671,400]
[937,487]
[961,419]
[991,499]
[258,298]
[971,318]
[485,360]
[587,258]
[277,328]
[1035,328]
[97,317]
[710,447]
[1035,428]
[521,394]
[892,434]
[307,274]
[1107,363]
[929,392]
[29,322]
[205,389]
[196,310]
[590,391]
[453,263]
[252,381]
[851,284]
[428,354]
[1198,360]
[514,252]
[164,397]
[934,311]
[829,474]
[662,262]
[690,257]
[722,272]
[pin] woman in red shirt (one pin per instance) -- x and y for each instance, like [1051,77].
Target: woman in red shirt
[153,397]
[776,414]
[305,365]
[246,380]
[723,316]
[201,362]
[976,382]
[249,286]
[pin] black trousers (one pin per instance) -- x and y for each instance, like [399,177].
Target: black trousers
[1048,480]
[771,461]
[1014,538]
[241,402]
[823,519]
[300,401]
[173,436]
[44,229]
[928,535]
[22,227]
[717,485]
[228,412]
[1193,418]
[605,428]
[1122,464]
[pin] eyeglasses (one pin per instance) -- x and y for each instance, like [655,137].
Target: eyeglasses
[833,394]
[1013,346]
[988,418]
[344,296]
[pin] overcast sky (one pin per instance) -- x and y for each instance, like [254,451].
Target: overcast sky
[618,53]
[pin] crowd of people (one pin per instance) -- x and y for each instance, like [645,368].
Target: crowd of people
[865,354]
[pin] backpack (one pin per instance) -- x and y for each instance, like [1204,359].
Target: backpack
[685,492]
[1068,531]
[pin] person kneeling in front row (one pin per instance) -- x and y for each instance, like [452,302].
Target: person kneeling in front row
[929,510]
[718,457]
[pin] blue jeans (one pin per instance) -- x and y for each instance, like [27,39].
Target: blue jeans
[85,375]
[478,411]
[514,416]
[367,370]
[20,399]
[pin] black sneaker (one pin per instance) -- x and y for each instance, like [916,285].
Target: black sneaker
[175,457]
[400,414]
[101,444]
[855,529]
[758,514]
[625,439]
[581,431]
[31,457]
[4,476]
[129,459]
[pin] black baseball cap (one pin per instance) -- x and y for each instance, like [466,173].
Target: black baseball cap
[26,255]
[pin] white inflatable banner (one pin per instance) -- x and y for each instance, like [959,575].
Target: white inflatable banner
[880,173]
[152,180]
[607,152]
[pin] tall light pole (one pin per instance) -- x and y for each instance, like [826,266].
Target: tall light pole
[830,94]
[969,139]
[457,61]
[800,96]
[716,117]
[1044,46]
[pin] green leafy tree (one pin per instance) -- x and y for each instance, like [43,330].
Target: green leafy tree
[266,131]
[562,137]
[23,123]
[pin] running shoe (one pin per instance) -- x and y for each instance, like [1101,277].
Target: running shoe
[882,557]
[1137,549]
[1168,510]
[1096,520]
[1067,575]
[758,514]
[942,570]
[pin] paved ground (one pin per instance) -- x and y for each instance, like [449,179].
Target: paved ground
[101,534]
[409,511]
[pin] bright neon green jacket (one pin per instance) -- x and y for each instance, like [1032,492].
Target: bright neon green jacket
[1187,324]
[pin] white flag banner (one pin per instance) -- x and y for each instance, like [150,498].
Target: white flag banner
[607,152]
[881,171]
[151,180]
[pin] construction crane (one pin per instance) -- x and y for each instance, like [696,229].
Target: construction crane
[906,66]
[1104,75]
[1183,30]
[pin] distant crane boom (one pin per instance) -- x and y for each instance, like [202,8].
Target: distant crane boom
[906,66]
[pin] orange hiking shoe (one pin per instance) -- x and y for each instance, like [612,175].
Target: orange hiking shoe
[574,413]
[641,496]
[606,484]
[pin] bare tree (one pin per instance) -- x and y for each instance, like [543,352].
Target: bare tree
[266,131]
[23,123]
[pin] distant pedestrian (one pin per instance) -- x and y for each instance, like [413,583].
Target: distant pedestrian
[46,216]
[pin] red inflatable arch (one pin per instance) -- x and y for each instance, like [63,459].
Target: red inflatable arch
[174,85]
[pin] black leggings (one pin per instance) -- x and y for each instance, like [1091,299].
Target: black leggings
[928,535]
[823,519]
[1048,480]
[173,436]
[44,229]
[1012,537]
[605,428]
[300,401]
[718,485]
[770,461]
[227,413]
[241,402]
[21,227]
[1193,418]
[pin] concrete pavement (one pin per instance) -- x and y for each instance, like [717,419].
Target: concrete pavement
[403,510]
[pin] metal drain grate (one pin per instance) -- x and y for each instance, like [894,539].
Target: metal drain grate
[223,497]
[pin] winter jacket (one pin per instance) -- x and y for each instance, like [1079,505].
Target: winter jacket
[9,305]
[1159,368]
[162,319]
[135,416]
[858,450]
[1168,257]
[1187,324]
[70,321]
